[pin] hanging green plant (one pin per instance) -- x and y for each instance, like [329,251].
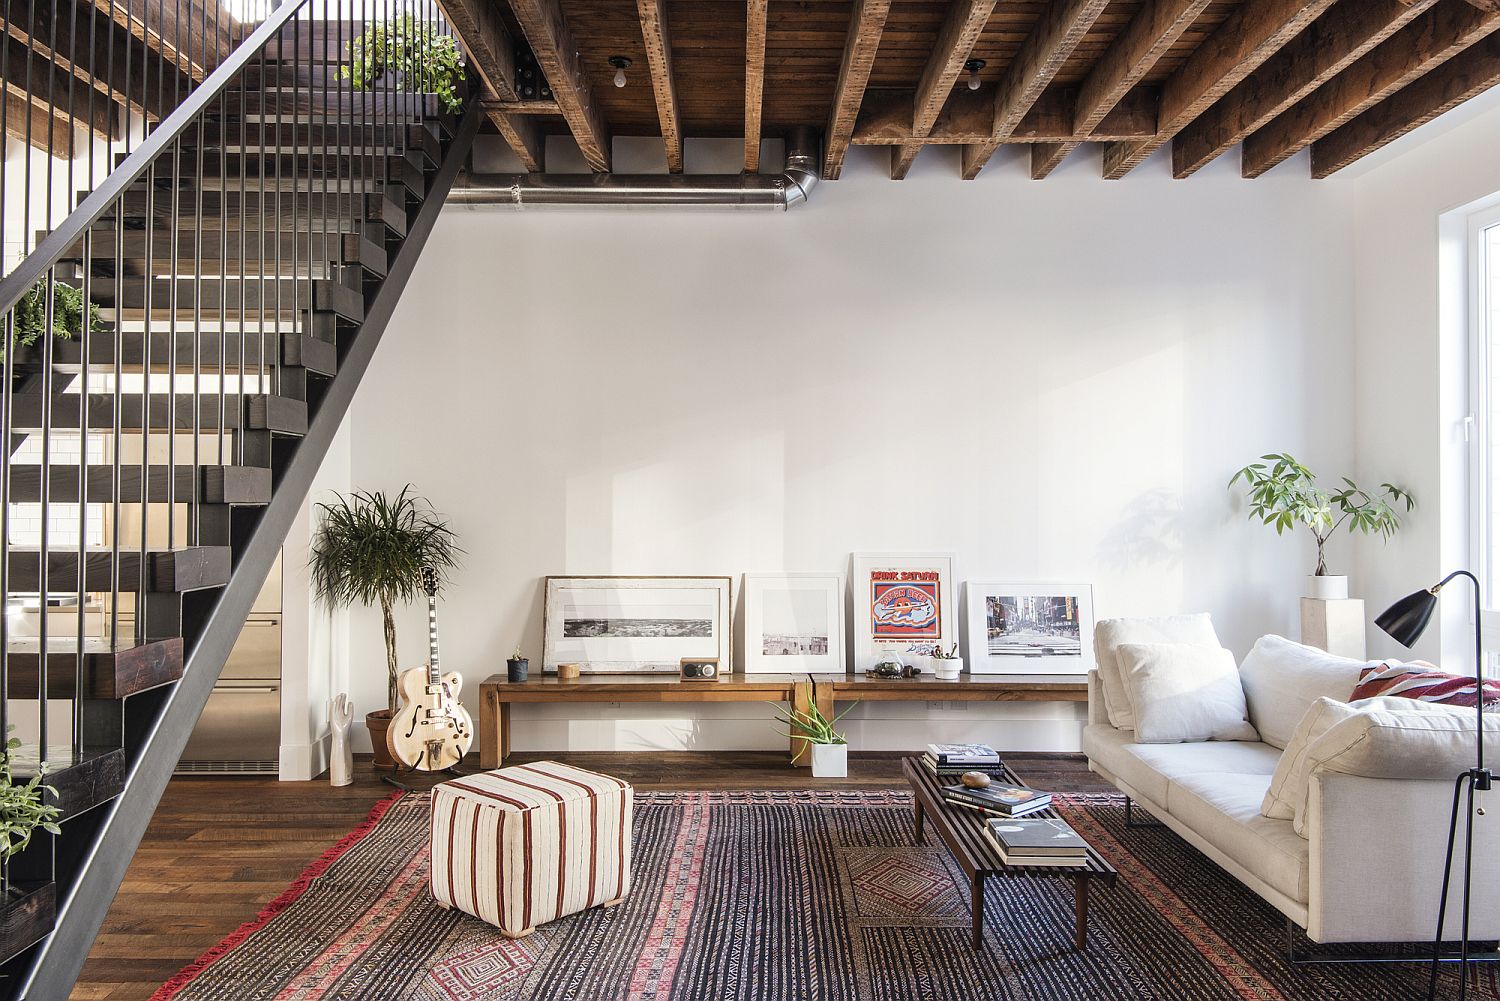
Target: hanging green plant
[22,810]
[425,60]
[67,315]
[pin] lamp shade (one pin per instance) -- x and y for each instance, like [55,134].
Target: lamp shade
[1405,620]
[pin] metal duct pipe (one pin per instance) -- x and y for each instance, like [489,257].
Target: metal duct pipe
[737,191]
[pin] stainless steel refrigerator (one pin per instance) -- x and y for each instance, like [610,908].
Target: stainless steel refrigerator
[240,729]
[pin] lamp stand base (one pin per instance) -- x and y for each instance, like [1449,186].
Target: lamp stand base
[1464,787]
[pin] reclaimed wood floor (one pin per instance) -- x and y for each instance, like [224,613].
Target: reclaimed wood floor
[219,849]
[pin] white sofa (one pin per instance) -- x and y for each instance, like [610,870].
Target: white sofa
[1370,868]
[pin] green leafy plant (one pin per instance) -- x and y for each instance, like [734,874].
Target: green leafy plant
[517,655]
[370,549]
[426,60]
[67,314]
[812,726]
[937,652]
[22,808]
[1284,494]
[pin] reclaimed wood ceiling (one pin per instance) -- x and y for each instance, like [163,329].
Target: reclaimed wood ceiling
[1262,79]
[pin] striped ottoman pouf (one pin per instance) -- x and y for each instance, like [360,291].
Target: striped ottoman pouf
[524,845]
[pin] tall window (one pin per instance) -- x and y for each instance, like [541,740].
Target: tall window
[1484,390]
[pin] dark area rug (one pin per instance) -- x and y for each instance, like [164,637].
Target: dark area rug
[795,896]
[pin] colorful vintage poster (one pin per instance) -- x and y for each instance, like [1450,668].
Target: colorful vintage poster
[903,604]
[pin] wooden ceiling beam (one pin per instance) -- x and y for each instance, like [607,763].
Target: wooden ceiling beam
[551,42]
[1465,76]
[968,118]
[866,25]
[54,91]
[521,132]
[1247,38]
[1426,43]
[1153,31]
[1043,53]
[961,29]
[755,78]
[653,14]
[1329,46]
[25,122]
[180,39]
[492,54]
[94,53]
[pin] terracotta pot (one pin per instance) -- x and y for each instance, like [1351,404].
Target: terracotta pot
[378,723]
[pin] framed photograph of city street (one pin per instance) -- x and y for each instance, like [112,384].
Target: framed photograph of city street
[794,623]
[635,625]
[904,603]
[1029,628]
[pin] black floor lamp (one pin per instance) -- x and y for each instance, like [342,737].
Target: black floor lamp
[1404,622]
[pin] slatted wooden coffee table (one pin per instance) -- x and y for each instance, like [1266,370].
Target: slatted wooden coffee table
[962,830]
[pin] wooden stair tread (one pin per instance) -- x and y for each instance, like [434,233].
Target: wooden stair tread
[298,349]
[253,412]
[237,485]
[190,568]
[80,779]
[110,671]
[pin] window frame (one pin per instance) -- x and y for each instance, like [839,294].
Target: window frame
[1480,273]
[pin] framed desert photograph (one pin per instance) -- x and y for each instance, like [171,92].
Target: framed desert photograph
[635,625]
[903,603]
[794,623]
[1029,628]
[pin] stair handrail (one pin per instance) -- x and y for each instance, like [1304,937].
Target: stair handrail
[32,268]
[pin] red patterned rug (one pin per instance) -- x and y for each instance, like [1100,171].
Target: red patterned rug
[796,896]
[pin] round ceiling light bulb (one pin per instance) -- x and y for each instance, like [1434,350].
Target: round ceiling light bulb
[974,66]
[619,63]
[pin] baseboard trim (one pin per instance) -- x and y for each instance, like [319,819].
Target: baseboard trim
[304,762]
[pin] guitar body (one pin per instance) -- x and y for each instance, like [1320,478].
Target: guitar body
[432,730]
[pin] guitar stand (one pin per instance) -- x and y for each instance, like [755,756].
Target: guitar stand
[389,778]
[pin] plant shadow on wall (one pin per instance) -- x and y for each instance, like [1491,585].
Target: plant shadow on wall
[1285,494]
[369,549]
[1149,534]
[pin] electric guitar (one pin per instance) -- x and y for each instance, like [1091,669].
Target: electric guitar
[432,730]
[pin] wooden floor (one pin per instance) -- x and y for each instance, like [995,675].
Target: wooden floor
[219,849]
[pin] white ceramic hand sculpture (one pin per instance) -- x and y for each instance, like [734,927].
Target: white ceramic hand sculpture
[341,759]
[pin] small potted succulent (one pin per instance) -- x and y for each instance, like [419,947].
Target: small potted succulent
[517,667]
[947,666]
[830,751]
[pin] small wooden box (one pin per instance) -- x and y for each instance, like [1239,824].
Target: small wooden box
[699,669]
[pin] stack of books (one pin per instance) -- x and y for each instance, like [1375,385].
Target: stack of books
[1000,799]
[1040,842]
[952,760]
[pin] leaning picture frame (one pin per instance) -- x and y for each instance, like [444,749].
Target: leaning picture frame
[636,625]
[1028,627]
[794,623]
[904,603]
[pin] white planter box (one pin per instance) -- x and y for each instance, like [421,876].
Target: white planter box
[947,669]
[830,761]
[1330,587]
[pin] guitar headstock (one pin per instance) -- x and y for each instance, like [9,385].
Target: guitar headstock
[430,580]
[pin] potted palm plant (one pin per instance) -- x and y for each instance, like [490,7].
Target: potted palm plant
[830,751]
[369,549]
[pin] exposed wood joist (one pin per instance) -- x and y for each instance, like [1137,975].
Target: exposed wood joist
[53,91]
[969,116]
[92,48]
[1155,28]
[1245,40]
[492,54]
[521,132]
[1329,46]
[866,24]
[1416,50]
[547,33]
[1466,75]
[653,14]
[756,12]
[961,29]
[25,122]
[1045,50]
[180,38]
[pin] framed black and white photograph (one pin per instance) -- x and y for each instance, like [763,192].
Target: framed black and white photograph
[904,603]
[794,623]
[635,625]
[1029,628]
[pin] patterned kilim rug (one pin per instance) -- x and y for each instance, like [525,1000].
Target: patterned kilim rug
[786,897]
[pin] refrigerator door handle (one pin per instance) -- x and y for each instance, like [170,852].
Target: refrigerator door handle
[247,690]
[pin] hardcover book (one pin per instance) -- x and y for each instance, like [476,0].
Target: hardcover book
[999,796]
[961,754]
[1042,837]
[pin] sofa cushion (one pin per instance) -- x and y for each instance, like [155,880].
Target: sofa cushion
[1282,679]
[1183,693]
[1150,768]
[1224,809]
[1288,788]
[1110,633]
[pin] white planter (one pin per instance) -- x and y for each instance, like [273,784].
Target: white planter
[830,761]
[1330,587]
[947,668]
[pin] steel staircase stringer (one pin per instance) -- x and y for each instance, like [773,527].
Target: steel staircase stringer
[60,957]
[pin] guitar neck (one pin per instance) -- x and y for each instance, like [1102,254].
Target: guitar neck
[433,674]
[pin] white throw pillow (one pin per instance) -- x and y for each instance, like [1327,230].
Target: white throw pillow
[1288,792]
[1183,693]
[1418,740]
[1109,634]
[1283,679]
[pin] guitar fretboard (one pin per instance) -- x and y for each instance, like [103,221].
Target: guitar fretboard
[433,675]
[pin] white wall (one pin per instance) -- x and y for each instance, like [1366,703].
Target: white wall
[1053,379]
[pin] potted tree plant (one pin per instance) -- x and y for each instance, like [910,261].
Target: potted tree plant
[1284,494]
[829,749]
[369,549]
